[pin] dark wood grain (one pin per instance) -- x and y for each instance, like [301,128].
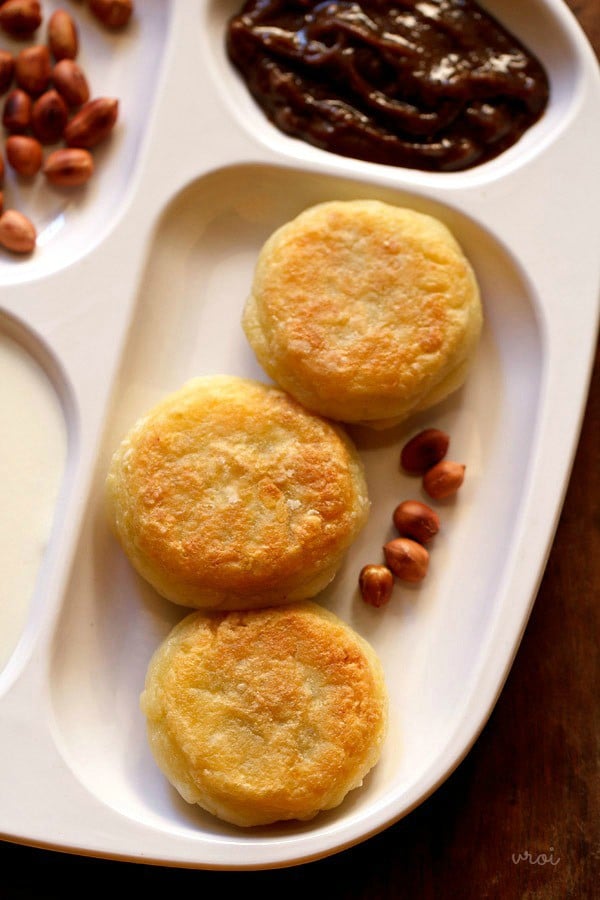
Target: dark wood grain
[531,783]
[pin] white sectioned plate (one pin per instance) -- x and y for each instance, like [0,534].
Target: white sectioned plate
[138,285]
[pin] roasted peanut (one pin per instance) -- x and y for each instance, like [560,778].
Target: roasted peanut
[407,559]
[7,70]
[33,68]
[424,450]
[112,13]
[24,154]
[16,115]
[17,232]
[92,123]
[70,82]
[376,584]
[20,18]
[49,117]
[416,520]
[444,479]
[69,167]
[63,36]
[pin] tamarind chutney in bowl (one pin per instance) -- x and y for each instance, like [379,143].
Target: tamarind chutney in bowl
[438,85]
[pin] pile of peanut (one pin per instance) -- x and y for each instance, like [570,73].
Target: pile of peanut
[47,102]
[407,557]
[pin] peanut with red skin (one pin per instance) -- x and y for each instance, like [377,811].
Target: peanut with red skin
[33,69]
[7,70]
[69,167]
[49,117]
[376,584]
[17,232]
[416,520]
[24,154]
[112,13]
[407,559]
[20,18]
[424,450]
[92,123]
[71,83]
[63,36]
[16,114]
[444,479]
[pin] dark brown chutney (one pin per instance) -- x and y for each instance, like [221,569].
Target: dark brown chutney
[437,85]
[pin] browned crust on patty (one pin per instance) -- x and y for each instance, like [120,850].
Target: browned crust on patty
[364,311]
[265,715]
[230,494]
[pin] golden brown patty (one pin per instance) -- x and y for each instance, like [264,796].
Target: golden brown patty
[363,311]
[230,494]
[265,715]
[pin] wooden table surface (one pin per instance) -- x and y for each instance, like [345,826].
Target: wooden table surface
[529,786]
